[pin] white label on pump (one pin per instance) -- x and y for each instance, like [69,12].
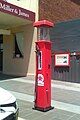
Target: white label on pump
[40,80]
[40,60]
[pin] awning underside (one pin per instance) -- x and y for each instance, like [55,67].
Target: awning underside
[9,21]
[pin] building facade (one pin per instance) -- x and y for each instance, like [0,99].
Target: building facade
[18,36]
[59,10]
[65,36]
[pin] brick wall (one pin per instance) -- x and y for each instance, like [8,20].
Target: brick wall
[59,10]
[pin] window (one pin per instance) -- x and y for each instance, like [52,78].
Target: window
[18,45]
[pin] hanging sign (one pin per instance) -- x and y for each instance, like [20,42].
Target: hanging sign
[40,60]
[17,11]
[62,59]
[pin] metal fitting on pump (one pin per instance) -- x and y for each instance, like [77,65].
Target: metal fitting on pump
[37,50]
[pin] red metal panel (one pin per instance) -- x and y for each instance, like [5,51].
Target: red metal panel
[43,76]
[43,23]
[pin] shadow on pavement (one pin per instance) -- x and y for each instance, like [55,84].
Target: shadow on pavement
[6,77]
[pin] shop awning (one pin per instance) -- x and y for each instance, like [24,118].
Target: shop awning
[11,15]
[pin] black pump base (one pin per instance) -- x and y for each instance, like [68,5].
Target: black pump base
[43,109]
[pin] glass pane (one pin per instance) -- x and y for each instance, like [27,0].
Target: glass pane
[43,33]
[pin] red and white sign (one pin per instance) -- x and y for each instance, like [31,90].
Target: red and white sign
[16,11]
[62,59]
[40,80]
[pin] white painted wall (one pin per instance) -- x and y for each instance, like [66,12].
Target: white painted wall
[25,66]
[20,66]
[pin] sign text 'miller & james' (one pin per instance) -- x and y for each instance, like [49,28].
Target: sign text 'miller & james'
[13,10]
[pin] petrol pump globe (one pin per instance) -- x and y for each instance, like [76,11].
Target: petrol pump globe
[43,33]
[42,100]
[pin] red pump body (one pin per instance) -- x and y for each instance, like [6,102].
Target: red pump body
[43,69]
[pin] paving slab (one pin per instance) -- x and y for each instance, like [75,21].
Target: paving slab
[27,113]
[24,88]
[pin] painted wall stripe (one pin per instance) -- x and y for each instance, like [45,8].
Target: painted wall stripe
[21,118]
[72,86]
[55,104]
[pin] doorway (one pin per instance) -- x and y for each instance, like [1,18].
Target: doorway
[1,52]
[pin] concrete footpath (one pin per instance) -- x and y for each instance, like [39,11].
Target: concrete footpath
[65,99]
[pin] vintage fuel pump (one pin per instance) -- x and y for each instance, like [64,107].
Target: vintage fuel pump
[43,67]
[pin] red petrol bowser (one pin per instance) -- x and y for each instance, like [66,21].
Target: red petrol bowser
[43,67]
